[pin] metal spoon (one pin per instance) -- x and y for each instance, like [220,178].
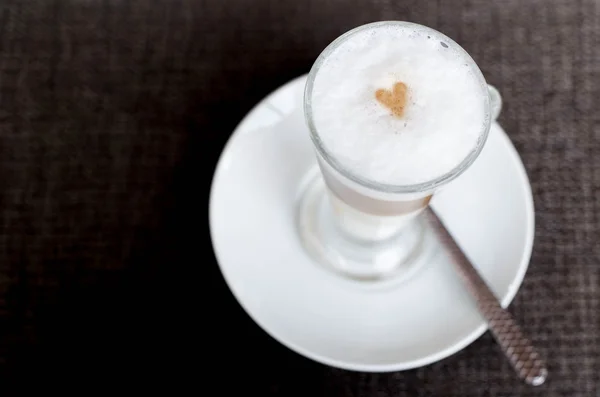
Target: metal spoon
[519,350]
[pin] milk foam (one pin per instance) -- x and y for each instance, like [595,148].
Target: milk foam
[442,122]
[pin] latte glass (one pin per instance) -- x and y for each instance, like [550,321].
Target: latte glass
[363,229]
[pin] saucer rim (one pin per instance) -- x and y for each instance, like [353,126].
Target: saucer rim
[451,349]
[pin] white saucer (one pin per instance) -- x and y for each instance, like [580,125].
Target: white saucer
[489,210]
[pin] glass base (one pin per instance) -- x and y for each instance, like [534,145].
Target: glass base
[397,257]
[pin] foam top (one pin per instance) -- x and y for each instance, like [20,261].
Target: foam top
[398,104]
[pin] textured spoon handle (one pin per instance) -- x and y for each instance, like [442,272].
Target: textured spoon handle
[503,327]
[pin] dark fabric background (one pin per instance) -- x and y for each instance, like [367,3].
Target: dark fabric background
[112,118]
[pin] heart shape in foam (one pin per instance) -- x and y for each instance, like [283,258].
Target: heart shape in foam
[394,99]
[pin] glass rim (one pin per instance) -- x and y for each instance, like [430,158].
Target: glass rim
[370,183]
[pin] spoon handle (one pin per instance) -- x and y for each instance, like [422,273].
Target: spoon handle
[519,350]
